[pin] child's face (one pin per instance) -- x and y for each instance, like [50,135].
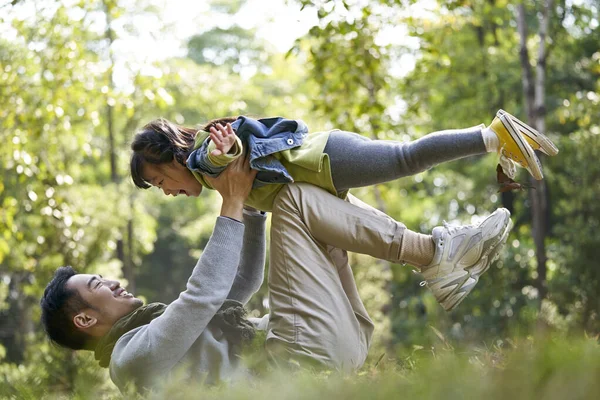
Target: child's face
[173,178]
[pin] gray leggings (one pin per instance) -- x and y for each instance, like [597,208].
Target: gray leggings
[358,161]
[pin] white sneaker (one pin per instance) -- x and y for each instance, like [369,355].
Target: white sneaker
[462,254]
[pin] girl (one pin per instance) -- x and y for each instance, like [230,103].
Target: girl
[177,159]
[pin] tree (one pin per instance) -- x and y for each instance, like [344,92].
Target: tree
[535,99]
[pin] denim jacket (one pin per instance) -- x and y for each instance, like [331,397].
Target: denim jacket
[263,138]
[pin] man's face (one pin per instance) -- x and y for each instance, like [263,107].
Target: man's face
[108,302]
[172,178]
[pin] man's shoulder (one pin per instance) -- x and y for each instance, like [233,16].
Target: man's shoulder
[126,349]
[126,361]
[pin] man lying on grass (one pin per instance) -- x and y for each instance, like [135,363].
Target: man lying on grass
[316,314]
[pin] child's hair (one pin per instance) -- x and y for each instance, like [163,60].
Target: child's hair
[161,142]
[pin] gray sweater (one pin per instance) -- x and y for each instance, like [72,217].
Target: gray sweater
[231,266]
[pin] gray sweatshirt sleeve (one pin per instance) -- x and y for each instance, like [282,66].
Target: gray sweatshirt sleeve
[158,346]
[250,273]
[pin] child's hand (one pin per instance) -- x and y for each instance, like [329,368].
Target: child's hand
[224,138]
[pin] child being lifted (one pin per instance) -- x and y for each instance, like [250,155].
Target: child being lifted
[177,159]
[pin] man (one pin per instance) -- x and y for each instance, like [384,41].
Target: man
[316,313]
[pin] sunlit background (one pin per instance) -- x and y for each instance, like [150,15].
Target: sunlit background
[77,78]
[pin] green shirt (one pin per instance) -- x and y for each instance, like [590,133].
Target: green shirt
[306,163]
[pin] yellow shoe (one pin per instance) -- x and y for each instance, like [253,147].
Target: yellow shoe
[536,140]
[514,146]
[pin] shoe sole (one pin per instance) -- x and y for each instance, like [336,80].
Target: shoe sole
[546,145]
[533,163]
[471,278]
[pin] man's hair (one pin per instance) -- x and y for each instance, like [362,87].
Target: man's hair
[160,142]
[59,305]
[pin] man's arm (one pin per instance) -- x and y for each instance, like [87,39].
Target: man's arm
[250,272]
[157,347]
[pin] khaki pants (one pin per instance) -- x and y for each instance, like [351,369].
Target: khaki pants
[316,312]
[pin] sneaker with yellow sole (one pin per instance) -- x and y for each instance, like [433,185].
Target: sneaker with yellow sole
[536,140]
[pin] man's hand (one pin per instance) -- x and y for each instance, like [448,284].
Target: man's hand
[234,185]
[223,137]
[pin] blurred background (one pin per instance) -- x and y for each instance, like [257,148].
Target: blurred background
[77,78]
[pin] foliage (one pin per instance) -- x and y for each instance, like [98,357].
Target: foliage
[61,74]
[466,67]
[553,367]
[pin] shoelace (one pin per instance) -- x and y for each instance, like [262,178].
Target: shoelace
[451,230]
[455,228]
[508,166]
[422,283]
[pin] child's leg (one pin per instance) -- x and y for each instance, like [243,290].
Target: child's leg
[357,161]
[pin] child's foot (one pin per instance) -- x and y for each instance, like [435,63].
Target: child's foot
[536,140]
[512,145]
[462,254]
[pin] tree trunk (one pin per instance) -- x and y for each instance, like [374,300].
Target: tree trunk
[110,125]
[534,93]
[128,267]
[13,319]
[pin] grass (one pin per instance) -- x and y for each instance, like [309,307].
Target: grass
[557,367]
[551,368]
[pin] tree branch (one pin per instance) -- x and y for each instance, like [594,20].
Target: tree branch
[10,3]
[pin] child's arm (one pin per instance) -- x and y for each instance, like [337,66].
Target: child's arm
[214,155]
[224,146]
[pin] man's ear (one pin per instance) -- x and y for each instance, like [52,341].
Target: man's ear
[84,321]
